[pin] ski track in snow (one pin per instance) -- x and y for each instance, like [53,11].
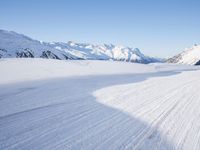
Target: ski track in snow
[157,110]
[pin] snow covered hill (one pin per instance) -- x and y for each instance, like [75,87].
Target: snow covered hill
[56,104]
[190,56]
[16,45]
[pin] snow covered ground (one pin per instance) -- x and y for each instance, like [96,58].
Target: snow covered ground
[52,104]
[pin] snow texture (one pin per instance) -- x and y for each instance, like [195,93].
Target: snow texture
[56,104]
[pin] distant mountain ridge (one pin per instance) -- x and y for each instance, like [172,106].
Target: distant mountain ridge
[190,56]
[13,44]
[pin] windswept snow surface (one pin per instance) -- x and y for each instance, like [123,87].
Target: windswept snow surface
[51,104]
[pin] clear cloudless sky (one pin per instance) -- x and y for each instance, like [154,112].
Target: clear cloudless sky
[157,27]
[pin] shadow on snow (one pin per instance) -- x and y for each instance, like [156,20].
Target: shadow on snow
[63,114]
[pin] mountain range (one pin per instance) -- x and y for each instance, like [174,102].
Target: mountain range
[17,45]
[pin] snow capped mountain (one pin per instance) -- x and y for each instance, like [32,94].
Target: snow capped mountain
[102,52]
[13,44]
[190,56]
[17,45]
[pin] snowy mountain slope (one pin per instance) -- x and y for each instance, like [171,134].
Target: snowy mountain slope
[103,52]
[112,105]
[17,45]
[190,56]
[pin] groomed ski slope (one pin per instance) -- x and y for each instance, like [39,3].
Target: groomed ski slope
[51,104]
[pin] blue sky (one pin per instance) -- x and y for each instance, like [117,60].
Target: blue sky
[157,27]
